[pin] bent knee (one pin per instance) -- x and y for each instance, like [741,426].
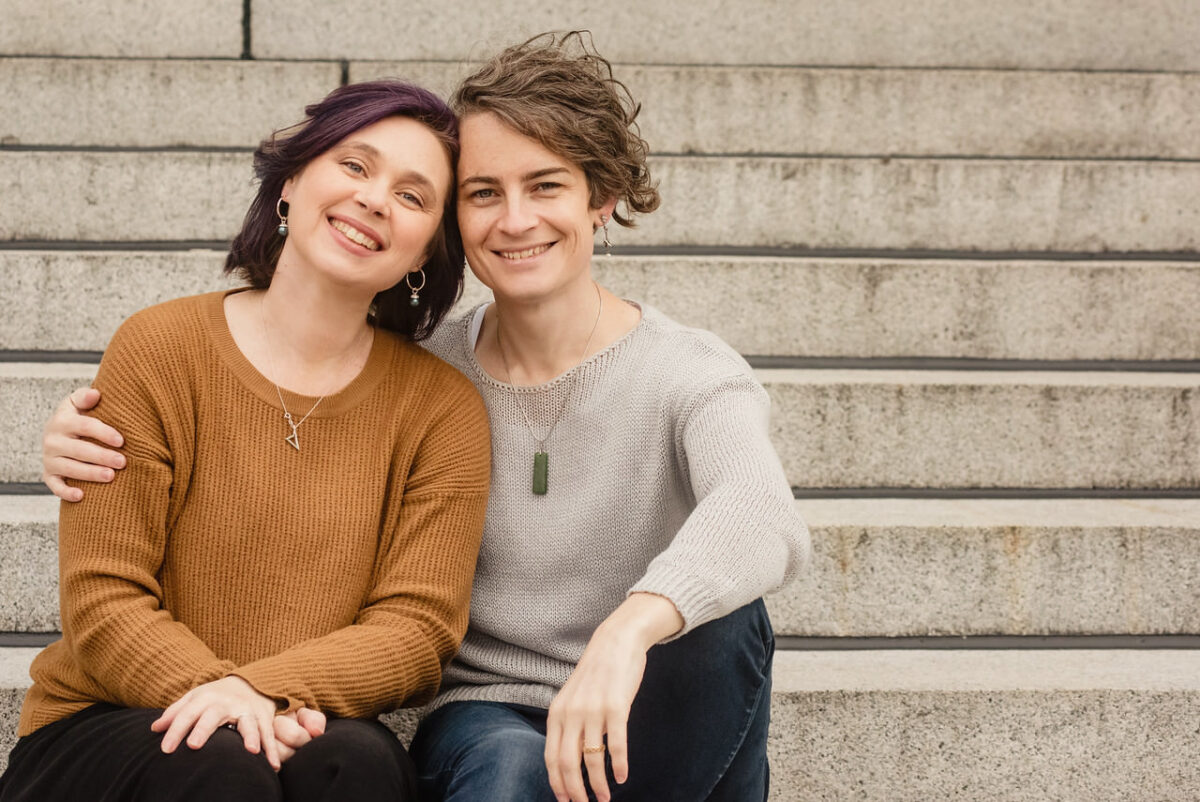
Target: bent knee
[221,769]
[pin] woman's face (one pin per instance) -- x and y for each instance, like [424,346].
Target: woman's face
[363,212]
[524,212]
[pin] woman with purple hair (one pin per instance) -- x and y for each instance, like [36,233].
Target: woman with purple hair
[297,523]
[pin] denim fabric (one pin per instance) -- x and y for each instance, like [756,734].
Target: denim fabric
[697,729]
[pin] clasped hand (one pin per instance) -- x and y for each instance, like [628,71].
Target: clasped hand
[198,713]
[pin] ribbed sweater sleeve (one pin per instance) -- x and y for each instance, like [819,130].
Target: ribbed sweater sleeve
[743,535]
[416,609]
[111,544]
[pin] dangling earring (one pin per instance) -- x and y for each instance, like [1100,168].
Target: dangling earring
[415,298]
[283,226]
[607,244]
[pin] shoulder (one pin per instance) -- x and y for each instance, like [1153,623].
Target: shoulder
[449,340]
[175,326]
[692,356]
[694,369]
[438,382]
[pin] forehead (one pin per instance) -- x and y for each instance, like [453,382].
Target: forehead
[403,144]
[489,146]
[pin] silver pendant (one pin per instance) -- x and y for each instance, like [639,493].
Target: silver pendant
[293,439]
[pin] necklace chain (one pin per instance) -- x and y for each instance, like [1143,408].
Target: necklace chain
[541,459]
[292,439]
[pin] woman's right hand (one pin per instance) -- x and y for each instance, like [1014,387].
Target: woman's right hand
[294,730]
[65,455]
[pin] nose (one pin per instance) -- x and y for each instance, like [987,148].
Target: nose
[373,196]
[518,216]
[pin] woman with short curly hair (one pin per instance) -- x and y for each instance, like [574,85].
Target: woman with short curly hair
[617,638]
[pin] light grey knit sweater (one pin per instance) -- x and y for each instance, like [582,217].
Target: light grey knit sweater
[661,479]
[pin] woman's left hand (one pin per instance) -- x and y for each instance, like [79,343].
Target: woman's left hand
[595,700]
[231,700]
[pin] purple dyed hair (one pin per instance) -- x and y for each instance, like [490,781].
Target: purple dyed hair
[255,250]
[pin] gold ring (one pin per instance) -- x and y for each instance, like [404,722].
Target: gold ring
[593,750]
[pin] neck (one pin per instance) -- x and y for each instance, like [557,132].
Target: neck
[539,341]
[312,324]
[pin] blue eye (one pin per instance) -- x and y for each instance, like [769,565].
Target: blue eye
[413,199]
[353,167]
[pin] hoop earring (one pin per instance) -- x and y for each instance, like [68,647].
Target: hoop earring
[283,226]
[607,244]
[415,298]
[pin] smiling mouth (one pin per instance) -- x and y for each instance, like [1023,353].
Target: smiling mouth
[354,235]
[527,253]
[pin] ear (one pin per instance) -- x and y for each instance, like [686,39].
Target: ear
[605,211]
[286,192]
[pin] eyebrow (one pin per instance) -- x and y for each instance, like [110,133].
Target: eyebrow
[408,175]
[536,174]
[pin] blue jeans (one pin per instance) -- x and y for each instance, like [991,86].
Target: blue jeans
[697,729]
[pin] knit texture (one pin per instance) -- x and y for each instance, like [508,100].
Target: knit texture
[336,577]
[662,479]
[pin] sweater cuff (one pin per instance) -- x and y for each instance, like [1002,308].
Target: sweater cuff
[691,595]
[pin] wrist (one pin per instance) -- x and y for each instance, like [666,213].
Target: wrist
[641,621]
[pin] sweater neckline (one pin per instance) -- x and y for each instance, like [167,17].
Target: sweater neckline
[471,332]
[382,349]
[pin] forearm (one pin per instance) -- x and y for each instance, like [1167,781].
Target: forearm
[743,537]
[413,619]
[355,672]
[114,620]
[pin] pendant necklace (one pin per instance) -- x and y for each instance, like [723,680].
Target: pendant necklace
[541,458]
[292,439]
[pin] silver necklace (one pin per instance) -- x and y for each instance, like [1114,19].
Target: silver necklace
[292,439]
[541,458]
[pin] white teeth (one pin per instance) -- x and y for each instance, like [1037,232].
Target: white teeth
[354,235]
[525,254]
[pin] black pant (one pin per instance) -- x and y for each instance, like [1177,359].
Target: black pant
[108,753]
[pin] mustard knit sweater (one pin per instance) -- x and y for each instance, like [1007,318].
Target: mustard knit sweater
[337,577]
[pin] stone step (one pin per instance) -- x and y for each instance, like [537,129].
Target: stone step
[980,429]
[880,112]
[841,112]
[811,307]
[911,726]
[155,103]
[1090,34]
[881,568]
[836,203]
[877,428]
[123,28]
[929,567]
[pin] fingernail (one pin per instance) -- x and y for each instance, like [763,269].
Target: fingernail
[76,495]
[107,474]
[120,460]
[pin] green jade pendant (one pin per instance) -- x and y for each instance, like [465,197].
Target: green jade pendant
[541,472]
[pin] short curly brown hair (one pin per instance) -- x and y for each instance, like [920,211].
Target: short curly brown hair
[556,89]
